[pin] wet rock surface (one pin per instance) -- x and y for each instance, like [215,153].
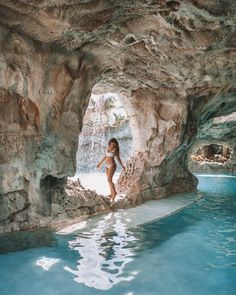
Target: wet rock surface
[172,62]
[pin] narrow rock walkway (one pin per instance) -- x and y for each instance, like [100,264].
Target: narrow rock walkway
[149,211]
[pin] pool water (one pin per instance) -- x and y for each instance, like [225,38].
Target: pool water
[190,252]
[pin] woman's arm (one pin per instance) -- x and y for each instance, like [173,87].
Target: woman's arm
[119,160]
[100,163]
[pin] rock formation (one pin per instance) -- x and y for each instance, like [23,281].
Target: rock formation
[220,130]
[172,62]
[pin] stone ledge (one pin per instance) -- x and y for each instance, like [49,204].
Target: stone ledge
[147,212]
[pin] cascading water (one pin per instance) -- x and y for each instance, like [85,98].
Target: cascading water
[98,133]
[105,118]
[92,139]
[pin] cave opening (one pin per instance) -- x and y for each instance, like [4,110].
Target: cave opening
[105,118]
[212,154]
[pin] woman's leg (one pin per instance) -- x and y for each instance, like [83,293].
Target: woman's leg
[107,171]
[110,174]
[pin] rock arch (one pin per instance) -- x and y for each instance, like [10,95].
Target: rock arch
[175,78]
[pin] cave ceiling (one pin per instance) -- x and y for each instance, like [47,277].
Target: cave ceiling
[183,45]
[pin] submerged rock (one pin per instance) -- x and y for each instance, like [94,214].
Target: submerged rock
[19,241]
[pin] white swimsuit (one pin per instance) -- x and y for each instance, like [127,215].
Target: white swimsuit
[110,154]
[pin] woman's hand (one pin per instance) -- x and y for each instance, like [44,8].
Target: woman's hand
[100,163]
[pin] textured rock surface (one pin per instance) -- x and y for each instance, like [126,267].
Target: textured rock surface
[172,62]
[220,130]
[214,168]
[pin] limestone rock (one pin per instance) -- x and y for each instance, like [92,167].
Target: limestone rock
[220,130]
[172,62]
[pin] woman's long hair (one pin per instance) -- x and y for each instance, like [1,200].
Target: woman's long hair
[114,140]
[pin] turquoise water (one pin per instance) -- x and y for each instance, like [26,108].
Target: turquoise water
[190,252]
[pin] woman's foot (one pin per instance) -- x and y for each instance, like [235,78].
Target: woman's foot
[113,197]
[107,199]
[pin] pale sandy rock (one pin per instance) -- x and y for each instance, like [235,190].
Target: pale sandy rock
[220,130]
[173,63]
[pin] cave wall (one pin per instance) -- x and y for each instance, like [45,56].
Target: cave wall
[219,130]
[215,168]
[159,130]
[37,139]
[172,62]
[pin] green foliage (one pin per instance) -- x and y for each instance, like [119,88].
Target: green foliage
[119,119]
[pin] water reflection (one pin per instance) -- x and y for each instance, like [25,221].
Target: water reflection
[104,254]
[46,263]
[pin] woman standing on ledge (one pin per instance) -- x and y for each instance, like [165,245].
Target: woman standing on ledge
[112,151]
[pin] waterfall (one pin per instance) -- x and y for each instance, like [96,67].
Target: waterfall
[92,140]
[104,118]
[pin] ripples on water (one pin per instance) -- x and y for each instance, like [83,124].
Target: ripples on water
[103,256]
[208,227]
[190,252]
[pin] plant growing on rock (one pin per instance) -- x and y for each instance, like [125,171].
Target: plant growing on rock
[119,119]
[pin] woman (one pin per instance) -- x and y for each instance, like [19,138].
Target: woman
[111,152]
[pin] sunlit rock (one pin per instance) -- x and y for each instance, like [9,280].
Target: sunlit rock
[221,132]
[171,62]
